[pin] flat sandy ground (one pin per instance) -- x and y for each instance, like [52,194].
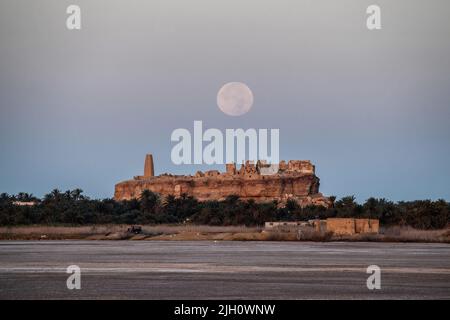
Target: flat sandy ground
[223,270]
[204,232]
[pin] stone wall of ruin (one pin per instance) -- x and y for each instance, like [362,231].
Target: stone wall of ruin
[295,179]
[263,188]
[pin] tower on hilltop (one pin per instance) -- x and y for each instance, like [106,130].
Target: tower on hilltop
[149,170]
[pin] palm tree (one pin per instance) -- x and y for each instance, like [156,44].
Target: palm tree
[55,194]
[67,194]
[76,194]
[148,200]
[169,200]
[4,196]
[332,200]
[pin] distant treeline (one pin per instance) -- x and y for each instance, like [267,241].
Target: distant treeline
[73,208]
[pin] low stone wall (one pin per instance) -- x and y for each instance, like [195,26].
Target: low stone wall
[286,226]
[367,225]
[338,226]
[341,226]
[350,226]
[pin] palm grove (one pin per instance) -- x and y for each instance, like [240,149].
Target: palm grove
[73,208]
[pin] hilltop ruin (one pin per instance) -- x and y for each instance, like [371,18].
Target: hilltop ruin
[294,179]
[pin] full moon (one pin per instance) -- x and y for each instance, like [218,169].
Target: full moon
[235,98]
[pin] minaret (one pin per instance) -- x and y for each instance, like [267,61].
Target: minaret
[148,167]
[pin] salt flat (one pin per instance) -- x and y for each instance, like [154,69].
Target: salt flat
[223,270]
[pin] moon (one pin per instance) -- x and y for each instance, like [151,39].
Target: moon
[235,98]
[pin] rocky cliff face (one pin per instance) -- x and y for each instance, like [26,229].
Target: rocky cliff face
[295,180]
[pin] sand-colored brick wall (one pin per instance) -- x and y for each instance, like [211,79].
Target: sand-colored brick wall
[338,226]
[366,225]
[320,225]
[341,226]
[361,225]
[375,225]
[349,226]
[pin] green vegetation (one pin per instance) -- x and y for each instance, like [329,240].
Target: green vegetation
[73,208]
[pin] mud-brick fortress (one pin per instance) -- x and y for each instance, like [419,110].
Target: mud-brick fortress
[259,181]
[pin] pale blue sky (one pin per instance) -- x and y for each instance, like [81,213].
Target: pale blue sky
[370,108]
